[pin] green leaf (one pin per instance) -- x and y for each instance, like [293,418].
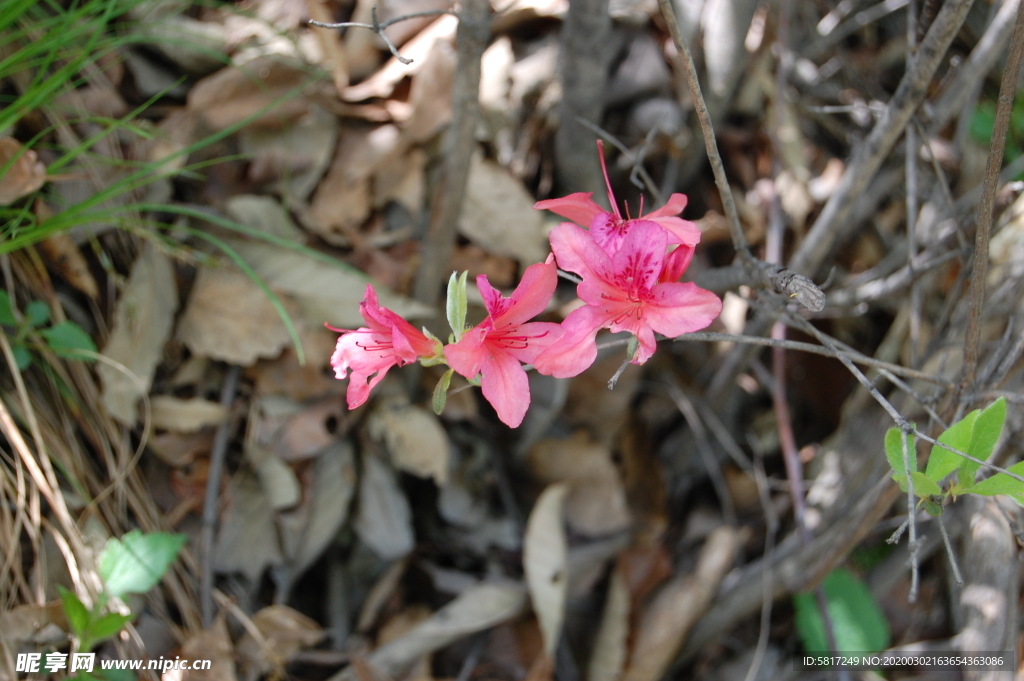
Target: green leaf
[923,486]
[894,452]
[986,433]
[136,562]
[107,626]
[22,357]
[66,338]
[6,310]
[455,307]
[37,313]
[74,609]
[441,392]
[857,621]
[1001,483]
[942,462]
[983,121]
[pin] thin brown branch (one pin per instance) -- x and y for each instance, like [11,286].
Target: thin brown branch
[1007,88]
[913,87]
[446,206]
[379,26]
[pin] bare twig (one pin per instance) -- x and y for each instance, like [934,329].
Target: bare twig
[471,39]
[819,241]
[1007,88]
[217,453]
[379,26]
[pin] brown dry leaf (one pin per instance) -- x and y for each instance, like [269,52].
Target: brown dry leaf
[331,43]
[33,623]
[430,95]
[142,324]
[174,133]
[610,646]
[596,504]
[186,416]
[545,562]
[342,201]
[414,439]
[379,594]
[26,174]
[498,214]
[229,318]
[312,429]
[383,82]
[329,486]
[384,519]
[181,449]
[285,632]
[232,94]
[285,376]
[212,644]
[508,16]
[674,610]
[264,214]
[62,255]
[246,538]
[400,178]
[477,609]
[294,158]
[324,293]
[500,271]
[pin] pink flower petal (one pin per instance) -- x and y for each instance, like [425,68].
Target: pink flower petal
[530,298]
[680,231]
[638,261]
[577,252]
[468,354]
[647,345]
[676,263]
[579,207]
[360,385]
[538,336]
[576,350]
[675,309]
[609,231]
[506,387]
[675,205]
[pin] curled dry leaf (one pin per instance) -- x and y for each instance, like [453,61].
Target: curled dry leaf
[25,175]
[596,504]
[142,324]
[294,158]
[383,82]
[181,449]
[610,647]
[35,624]
[212,644]
[62,255]
[186,416]
[244,541]
[229,318]
[315,427]
[673,611]
[498,214]
[478,608]
[285,376]
[545,561]
[232,94]
[384,519]
[430,95]
[414,439]
[285,632]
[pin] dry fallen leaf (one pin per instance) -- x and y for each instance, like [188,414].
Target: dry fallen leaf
[414,439]
[62,255]
[545,562]
[232,94]
[285,632]
[180,449]
[610,646]
[498,214]
[384,519]
[430,95]
[323,292]
[294,158]
[383,82]
[246,538]
[186,416]
[229,318]
[26,174]
[478,608]
[33,623]
[213,644]
[142,324]
[263,214]
[312,429]
[285,376]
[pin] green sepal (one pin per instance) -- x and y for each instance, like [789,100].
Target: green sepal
[632,347]
[456,305]
[931,508]
[441,392]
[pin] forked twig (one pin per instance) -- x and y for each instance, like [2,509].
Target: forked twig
[379,26]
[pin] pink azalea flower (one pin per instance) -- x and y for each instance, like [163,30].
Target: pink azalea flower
[495,347]
[609,229]
[625,291]
[370,351]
